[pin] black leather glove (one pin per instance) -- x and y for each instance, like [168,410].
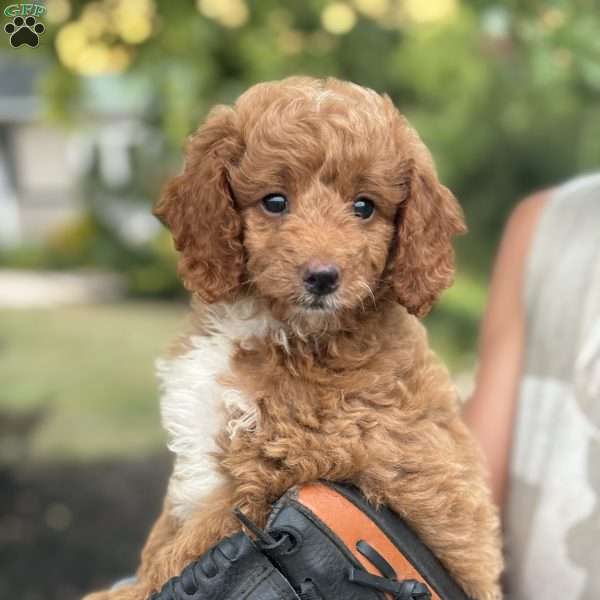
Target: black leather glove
[322,542]
[234,569]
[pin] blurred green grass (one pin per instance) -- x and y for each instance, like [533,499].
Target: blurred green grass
[93,367]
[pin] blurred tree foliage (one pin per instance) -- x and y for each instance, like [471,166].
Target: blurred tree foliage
[506,94]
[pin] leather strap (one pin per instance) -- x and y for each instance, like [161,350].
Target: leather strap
[352,525]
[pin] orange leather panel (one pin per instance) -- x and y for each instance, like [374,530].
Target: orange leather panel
[352,525]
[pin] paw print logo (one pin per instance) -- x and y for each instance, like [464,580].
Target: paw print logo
[24,31]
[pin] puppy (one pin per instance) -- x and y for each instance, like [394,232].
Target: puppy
[312,233]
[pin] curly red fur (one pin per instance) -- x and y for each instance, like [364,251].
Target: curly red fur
[348,392]
[424,261]
[198,209]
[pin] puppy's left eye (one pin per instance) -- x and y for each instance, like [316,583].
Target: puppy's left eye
[274,203]
[363,207]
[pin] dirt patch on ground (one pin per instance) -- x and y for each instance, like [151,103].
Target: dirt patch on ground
[66,529]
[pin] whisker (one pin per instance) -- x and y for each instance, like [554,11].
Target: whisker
[369,290]
[360,299]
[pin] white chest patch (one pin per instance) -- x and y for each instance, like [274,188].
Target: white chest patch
[195,407]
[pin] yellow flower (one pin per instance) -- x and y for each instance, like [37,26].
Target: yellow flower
[229,13]
[338,18]
[430,11]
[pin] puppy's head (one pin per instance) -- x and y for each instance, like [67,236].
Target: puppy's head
[315,195]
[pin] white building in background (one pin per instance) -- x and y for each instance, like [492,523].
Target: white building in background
[41,165]
[36,188]
[10,219]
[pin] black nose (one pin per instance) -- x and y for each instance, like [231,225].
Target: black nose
[321,279]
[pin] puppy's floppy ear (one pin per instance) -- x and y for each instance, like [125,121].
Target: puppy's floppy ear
[199,209]
[430,217]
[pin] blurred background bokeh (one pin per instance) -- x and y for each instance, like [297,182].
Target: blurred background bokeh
[92,121]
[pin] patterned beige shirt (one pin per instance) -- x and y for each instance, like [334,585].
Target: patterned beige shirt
[553,515]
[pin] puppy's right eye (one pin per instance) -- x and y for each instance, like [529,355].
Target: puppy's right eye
[274,203]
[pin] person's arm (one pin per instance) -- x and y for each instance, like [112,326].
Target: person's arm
[491,409]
